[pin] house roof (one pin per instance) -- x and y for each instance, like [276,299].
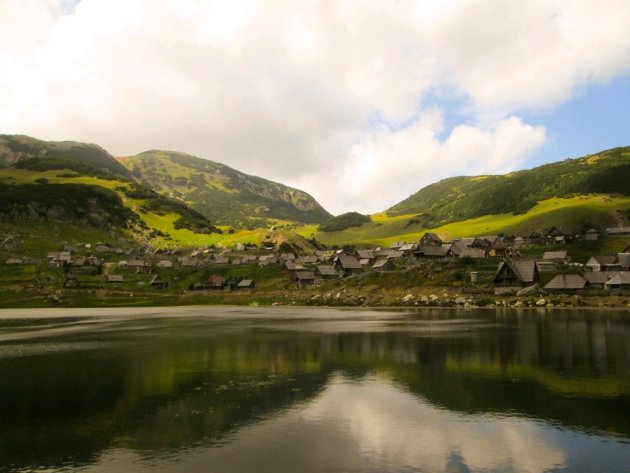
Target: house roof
[552,255]
[114,278]
[598,277]
[365,254]
[156,279]
[474,252]
[620,279]
[601,260]
[566,281]
[246,283]
[430,237]
[524,270]
[326,271]
[382,263]
[216,280]
[430,250]
[304,275]
[349,262]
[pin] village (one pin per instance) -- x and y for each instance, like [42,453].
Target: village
[541,263]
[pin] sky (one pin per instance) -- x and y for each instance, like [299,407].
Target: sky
[359,103]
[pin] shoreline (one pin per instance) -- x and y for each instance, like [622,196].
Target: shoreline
[377,298]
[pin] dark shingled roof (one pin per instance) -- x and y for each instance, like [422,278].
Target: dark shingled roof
[430,250]
[553,255]
[604,260]
[566,281]
[598,277]
[326,271]
[349,262]
[304,275]
[620,279]
[523,269]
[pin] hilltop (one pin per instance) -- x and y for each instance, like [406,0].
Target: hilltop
[461,198]
[17,148]
[222,194]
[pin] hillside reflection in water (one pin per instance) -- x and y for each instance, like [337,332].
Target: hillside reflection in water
[241,389]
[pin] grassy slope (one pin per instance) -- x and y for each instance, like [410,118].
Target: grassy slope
[160,221]
[221,193]
[462,198]
[571,213]
[16,148]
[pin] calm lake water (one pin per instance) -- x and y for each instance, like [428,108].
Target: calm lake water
[224,389]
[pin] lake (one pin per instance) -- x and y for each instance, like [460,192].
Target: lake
[253,389]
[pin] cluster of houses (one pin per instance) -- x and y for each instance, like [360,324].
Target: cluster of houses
[513,274]
[611,272]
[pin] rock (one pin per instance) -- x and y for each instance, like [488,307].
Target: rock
[424,299]
[433,298]
[460,301]
[541,302]
[408,298]
[528,291]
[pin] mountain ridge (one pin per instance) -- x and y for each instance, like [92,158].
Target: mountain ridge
[464,197]
[223,194]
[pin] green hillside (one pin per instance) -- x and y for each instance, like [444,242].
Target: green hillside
[572,214]
[16,148]
[224,195]
[461,198]
[42,192]
[343,221]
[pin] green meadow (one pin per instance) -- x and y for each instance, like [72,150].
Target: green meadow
[569,213]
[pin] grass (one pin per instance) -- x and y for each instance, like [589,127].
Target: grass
[570,213]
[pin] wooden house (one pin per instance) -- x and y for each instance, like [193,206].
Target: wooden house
[618,231]
[591,235]
[246,284]
[557,236]
[430,252]
[474,252]
[115,279]
[619,283]
[536,238]
[498,248]
[367,255]
[157,282]
[566,283]
[602,263]
[326,272]
[516,274]
[348,265]
[430,239]
[303,278]
[383,266]
[598,278]
[291,266]
[215,282]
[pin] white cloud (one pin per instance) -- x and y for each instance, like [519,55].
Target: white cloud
[387,166]
[292,91]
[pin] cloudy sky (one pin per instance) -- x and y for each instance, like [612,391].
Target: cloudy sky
[360,103]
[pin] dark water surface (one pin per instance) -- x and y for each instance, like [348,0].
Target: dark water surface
[294,390]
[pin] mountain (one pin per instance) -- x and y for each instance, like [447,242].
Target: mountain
[16,148]
[224,195]
[40,193]
[460,198]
